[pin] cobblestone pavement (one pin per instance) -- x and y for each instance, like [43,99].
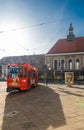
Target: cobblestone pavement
[52,107]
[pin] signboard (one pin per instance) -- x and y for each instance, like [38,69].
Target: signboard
[69,78]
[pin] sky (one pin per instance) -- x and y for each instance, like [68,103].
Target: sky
[33,26]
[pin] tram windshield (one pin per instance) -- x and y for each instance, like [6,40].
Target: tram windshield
[16,71]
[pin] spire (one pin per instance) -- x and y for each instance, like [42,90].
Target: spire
[70,36]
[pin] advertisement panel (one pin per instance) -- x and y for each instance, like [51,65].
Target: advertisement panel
[69,78]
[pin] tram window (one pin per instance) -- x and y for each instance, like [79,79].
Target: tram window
[32,74]
[25,72]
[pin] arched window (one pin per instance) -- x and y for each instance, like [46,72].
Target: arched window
[62,65]
[77,64]
[55,64]
[70,64]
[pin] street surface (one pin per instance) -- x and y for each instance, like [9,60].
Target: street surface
[51,107]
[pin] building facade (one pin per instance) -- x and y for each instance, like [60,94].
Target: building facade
[67,55]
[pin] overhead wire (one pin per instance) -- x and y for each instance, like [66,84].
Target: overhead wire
[31,26]
[34,25]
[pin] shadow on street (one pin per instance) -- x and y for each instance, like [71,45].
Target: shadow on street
[37,109]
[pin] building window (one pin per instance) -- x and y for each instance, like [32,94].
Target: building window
[62,65]
[55,64]
[70,64]
[77,64]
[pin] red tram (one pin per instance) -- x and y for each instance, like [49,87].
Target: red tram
[21,77]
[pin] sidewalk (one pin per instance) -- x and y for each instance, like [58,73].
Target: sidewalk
[52,107]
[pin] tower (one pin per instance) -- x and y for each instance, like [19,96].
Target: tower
[70,36]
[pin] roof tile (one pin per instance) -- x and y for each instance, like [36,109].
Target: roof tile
[65,46]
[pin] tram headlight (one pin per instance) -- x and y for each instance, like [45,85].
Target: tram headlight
[24,80]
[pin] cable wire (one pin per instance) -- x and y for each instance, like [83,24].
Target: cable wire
[35,25]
